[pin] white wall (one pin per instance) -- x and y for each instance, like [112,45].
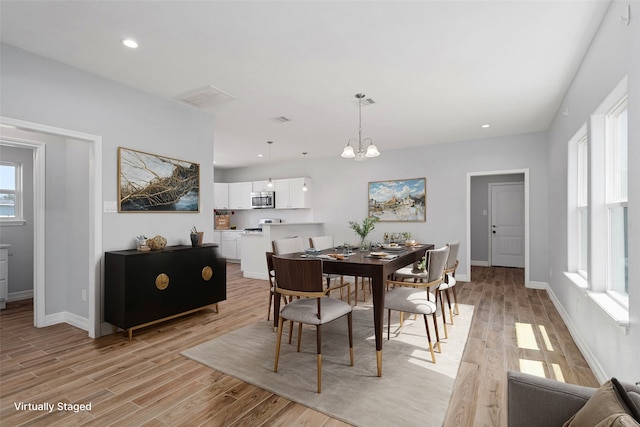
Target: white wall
[612,54]
[39,90]
[340,188]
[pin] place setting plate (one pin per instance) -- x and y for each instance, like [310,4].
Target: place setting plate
[393,247]
[378,254]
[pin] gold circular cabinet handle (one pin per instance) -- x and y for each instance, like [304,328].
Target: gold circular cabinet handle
[207,273]
[162,281]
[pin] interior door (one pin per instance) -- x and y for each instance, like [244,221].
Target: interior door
[507,224]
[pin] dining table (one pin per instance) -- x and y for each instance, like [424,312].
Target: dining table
[359,263]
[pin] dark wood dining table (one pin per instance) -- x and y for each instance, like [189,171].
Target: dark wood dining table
[362,264]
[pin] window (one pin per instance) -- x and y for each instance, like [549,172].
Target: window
[10,191]
[616,199]
[578,208]
[597,223]
[582,206]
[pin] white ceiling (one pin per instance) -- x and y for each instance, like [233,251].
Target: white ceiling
[437,70]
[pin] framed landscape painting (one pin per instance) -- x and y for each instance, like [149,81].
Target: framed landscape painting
[403,200]
[152,183]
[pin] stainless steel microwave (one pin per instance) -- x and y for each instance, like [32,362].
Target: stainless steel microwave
[263,200]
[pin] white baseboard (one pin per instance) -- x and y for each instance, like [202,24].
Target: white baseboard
[537,285]
[66,317]
[592,361]
[18,296]
[462,278]
[480,263]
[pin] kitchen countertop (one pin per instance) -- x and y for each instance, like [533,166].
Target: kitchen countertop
[255,244]
[292,223]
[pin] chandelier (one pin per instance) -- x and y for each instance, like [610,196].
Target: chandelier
[361,154]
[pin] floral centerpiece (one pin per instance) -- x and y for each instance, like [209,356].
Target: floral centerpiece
[364,228]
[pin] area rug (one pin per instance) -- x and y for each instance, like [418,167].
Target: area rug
[411,392]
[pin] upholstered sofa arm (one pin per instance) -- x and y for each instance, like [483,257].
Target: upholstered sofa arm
[535,401]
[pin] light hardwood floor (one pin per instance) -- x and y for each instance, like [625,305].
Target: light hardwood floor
[146,382]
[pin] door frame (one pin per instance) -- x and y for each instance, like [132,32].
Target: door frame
[490,217]
[95,223]
[524,171]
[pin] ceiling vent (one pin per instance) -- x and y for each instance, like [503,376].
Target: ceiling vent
[207,96]
[281,119]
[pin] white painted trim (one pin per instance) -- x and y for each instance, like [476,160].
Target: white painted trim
[462,278]
[38,148]
[480,263]
[526,216]
[537,285]
[20,295]
[95,222]
[592,361]
[66,317]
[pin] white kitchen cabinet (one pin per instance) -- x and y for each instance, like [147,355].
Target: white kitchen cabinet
[240,195]
[220,195]
[262,186]
[281,187]
[289,193]
[229,245]
[4,275]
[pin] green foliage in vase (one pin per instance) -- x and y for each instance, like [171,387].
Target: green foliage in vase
[362,230]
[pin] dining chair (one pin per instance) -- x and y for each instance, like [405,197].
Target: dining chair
[410,273]
[449,282]
[408,297]
[287,245]
[326,242]
[303,278]
[272,291]
[272,282]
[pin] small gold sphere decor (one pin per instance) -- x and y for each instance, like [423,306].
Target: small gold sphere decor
[157,243]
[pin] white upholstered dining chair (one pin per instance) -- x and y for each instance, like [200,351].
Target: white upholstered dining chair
[449,282]
[287,245]
[413,297]
[302,278]
[326,242]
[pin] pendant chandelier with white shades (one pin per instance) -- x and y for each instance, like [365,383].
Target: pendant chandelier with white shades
[361,153]
[270,182]
[304,184]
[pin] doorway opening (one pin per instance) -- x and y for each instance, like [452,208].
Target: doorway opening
[479,227]
[42,249]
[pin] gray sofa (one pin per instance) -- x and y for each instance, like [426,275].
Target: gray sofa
[533,401]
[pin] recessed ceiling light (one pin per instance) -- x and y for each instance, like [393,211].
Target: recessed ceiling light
[485,126]
[260,155]
[130,43]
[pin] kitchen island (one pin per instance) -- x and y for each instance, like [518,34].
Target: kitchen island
[253,262]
